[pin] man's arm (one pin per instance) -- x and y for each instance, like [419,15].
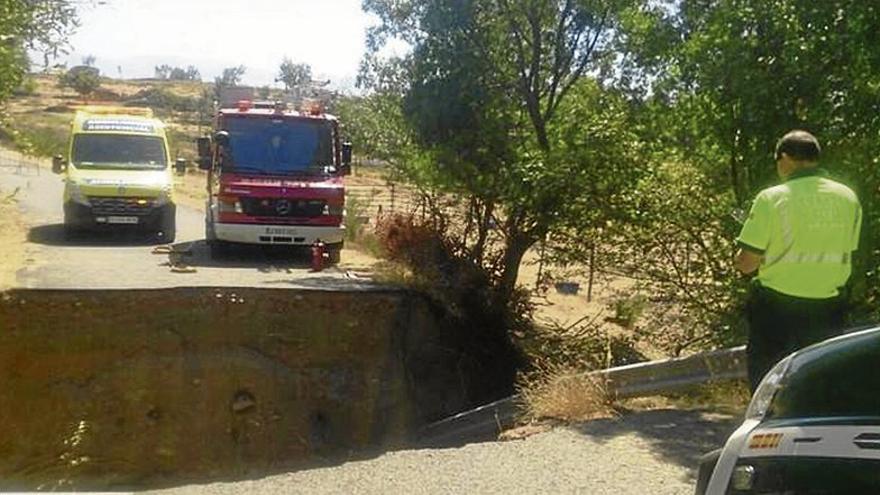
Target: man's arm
[747,261]
[754,237]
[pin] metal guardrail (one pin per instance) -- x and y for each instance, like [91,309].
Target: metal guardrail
[635,380]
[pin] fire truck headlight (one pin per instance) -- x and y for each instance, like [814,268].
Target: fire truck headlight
[230,205]
[334,210]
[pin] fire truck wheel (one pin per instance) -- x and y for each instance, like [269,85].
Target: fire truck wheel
[218,249]
[210,234]
[334,253]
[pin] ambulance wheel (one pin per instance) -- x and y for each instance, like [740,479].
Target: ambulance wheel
[168,227]
[71,232]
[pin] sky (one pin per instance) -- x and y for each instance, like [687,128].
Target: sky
[134,36]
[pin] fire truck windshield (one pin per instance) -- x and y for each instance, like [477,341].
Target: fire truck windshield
[279,146]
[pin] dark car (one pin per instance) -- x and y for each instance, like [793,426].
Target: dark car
[813,426]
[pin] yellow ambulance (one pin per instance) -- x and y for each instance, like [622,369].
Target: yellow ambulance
[118,173]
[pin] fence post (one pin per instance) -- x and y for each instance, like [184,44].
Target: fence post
[392,197]
[592,272]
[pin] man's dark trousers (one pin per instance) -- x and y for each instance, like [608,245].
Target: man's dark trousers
[780,324]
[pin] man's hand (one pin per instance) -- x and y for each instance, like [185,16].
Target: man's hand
[747,261]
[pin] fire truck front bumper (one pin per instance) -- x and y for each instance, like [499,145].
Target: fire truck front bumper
[297,235]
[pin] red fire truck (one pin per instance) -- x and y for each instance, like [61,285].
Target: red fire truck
[275,178]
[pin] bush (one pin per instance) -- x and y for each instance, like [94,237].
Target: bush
[27,87]
[38,137]
[83,79]
[564,394]
[585,348]
[465,292]
[354,212]
[627,310]
[162,99]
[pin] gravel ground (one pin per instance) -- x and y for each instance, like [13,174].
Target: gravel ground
[647,452]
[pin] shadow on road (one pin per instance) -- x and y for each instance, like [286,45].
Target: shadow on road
[53,235]
[678,436]
[316,281]
[265,259]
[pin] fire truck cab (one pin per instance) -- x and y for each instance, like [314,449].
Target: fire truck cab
[275,177]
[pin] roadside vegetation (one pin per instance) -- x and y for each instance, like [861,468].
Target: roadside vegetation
[617,139]
[559,144]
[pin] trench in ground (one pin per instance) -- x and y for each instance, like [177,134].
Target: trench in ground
[135,389]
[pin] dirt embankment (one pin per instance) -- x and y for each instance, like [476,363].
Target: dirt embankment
[12,238]
[133,389]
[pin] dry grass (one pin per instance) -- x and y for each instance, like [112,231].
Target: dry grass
[731,397]
[563,394]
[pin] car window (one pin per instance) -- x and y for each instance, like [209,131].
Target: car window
[841,383]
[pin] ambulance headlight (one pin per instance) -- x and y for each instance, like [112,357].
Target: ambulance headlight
[74,192]
[164,196]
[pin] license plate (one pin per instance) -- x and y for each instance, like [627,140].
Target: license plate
[123,220]
[280,231]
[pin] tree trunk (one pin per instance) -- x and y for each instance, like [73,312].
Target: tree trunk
[483,232]
[515,248]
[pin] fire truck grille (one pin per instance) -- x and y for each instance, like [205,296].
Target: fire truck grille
[121,206]
[282,207]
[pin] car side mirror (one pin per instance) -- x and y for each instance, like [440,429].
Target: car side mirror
[204,161]
[58,164]
[221,138]
[345,167]
[180,166]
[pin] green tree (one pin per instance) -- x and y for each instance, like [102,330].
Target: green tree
[41,26]
[716,83]
[485,90]
[83,79]
[162,71]
[294,75]
[229,78]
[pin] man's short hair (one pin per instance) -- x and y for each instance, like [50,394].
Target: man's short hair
[800,146]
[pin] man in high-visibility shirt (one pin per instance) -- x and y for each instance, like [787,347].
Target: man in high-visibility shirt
[799,236]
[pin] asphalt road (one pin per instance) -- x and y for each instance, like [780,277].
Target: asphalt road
[126,259]
[647,452]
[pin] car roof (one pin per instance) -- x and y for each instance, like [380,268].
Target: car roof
[858,337]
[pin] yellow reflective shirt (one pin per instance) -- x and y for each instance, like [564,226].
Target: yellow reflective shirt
[806,229]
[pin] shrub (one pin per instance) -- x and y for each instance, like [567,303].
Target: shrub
[27,87]
[162,99]
[83,79]
[562,393]
[354,211]
[467,294]
[627,310]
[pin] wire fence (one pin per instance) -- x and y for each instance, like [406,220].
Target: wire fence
[19,164]
[369,202]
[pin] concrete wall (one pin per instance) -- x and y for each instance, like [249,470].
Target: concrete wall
[137,388]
